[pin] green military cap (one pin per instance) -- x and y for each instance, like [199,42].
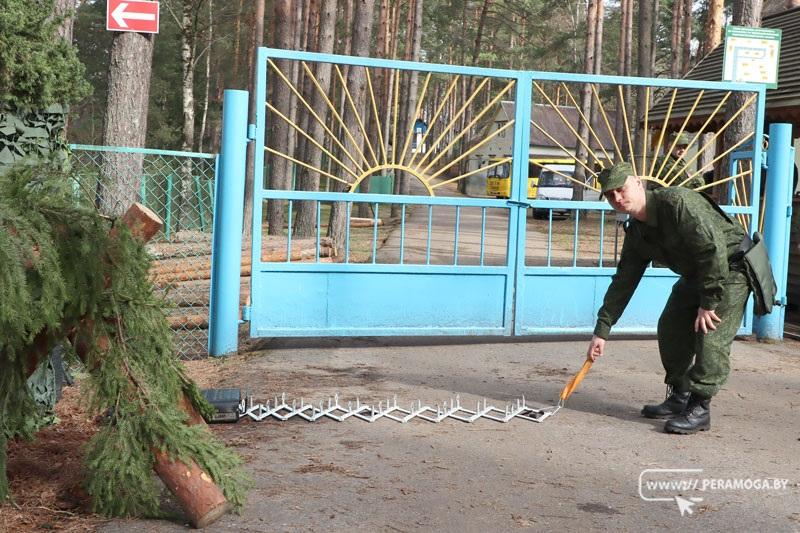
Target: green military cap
[682,139]
[614,177]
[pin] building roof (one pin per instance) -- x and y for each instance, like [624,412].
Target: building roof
[546,117]
[782,103]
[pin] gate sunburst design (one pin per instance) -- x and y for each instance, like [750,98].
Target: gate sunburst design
[361,163]
[646,162]
[454,118]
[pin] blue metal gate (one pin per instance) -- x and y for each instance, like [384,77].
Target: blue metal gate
[501,271]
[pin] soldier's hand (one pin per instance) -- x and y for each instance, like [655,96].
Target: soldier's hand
[596,348]
[706,320]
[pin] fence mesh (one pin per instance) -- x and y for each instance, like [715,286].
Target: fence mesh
[179,188]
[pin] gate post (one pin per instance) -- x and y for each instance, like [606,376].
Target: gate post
[226,245]
[777,218]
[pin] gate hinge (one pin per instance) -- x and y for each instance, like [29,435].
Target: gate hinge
[251,132]
[245,314]
[518,203]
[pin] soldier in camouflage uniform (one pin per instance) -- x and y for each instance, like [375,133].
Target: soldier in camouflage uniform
[671,169]
[683,230]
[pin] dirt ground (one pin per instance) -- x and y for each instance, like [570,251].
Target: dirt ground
[578,469]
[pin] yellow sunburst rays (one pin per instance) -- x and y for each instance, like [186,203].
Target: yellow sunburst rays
[678,134]
[713,139]
[586,120]
[668,177]
[605,119]
[357,115]
[413,121]
[645,130]
[436,116]
[376,117]
[627,128]
[362,160]
[578,137]
[463,132]
[447,129]
[663,131]
[357,164]
[396,114]
[299,130]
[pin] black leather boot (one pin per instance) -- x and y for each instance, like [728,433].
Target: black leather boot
[672,406]
[696,417]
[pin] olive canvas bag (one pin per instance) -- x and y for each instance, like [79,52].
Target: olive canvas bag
[757,267]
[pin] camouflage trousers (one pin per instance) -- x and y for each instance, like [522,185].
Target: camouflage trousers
[693,361]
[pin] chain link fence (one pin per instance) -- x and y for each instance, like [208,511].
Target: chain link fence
[179,188]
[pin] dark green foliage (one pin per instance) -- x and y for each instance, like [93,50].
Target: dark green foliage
[37,68]
[38,134]
[61,286]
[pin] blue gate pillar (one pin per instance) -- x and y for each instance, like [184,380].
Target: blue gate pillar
[226,247]
[777,222]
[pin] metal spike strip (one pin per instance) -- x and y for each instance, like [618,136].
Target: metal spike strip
[280,409]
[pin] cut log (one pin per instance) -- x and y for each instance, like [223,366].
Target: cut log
[201,499]
[361,222]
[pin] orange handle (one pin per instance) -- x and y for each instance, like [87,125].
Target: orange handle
[567,390]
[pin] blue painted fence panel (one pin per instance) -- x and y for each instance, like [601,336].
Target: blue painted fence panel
[378,303]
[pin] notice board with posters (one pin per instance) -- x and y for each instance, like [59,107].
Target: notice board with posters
[751,55]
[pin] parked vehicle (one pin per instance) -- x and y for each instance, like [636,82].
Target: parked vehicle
[553,183]
[498,181]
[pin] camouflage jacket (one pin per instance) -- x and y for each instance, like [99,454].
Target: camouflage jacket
[685,233]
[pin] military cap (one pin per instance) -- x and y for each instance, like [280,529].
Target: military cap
[614,177]
[681,140]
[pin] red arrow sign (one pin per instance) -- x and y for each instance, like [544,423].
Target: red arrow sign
[132,15]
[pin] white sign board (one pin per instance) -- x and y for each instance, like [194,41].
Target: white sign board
[751,55]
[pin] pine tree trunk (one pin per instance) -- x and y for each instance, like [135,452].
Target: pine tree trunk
[675,40]
[207,89]
[581,153]
[187,69]
[645,71]
[65,8]
[713,26]
[687,37]
[357,85]
[310,181]
[413,86]
[624,69]
[466,140]
[280,168]
[403,184]
[257,39]
[126,119]
[713,38]
[237,46]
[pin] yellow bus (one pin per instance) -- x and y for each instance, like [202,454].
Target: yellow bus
[498,181]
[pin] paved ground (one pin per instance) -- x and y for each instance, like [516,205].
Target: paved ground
[579,469]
